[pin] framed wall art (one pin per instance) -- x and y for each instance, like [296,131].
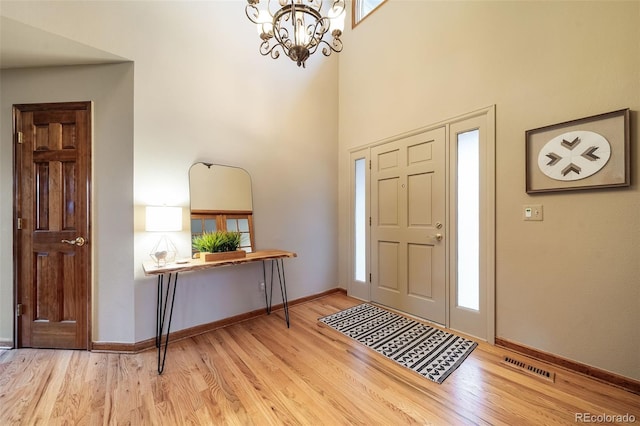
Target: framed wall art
[591,152]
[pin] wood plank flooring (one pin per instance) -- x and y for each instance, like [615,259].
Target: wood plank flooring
[258,372]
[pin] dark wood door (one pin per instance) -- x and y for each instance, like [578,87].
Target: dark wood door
[52,212]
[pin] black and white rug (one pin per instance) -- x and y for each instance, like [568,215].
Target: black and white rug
[431,352]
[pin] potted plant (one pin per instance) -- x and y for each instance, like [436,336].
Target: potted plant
[218,245]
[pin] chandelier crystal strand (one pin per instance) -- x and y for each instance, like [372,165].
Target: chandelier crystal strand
[298,27]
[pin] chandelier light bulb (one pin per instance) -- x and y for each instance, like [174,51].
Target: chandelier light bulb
[301,38]
[336,19]
[264,23]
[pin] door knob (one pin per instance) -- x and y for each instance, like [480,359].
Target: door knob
[437,237]
[79,241]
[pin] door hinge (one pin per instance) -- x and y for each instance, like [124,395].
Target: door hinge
[369,276]
[20,137]
[19,309]
[369,164]
[19,223]
[369,220]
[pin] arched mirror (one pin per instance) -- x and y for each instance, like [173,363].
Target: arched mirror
[221,199]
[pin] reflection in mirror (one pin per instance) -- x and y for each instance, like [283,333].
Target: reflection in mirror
[221,199]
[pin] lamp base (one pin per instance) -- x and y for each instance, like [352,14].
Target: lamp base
[164,252]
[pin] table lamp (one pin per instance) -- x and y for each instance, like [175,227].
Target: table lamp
[163,219]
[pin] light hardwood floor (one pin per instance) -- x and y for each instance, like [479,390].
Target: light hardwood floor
[259,372]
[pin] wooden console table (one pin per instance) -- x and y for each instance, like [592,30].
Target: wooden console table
[276,258]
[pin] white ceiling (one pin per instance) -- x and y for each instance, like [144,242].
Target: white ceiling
[24,46]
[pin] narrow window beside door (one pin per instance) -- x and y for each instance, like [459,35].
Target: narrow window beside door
[360,221]
[468,214]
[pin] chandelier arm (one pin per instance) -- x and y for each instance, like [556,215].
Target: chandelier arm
[266,50]
[316,35]
[340,5]
[335,46]
[281,35]
[252,12]
[336,43]
[274,53]
[324,23]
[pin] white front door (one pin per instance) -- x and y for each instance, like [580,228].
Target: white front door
[408,229]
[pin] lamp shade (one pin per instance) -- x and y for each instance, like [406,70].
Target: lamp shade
[163,219]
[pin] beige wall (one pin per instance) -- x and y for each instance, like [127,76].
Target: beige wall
[568,285]
[201,92]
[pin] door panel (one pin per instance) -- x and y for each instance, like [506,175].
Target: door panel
[420,208]
[408,211]
[52,203]
[388,271]
[388,214]
[420,281]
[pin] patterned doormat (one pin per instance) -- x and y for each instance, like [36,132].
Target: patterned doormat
[429,351]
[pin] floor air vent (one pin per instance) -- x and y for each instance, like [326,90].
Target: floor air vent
[529,369]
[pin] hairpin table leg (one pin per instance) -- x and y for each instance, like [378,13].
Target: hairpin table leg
[267,298]
[283,287]
[161,315]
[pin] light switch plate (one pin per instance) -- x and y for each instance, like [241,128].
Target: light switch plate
[532,212]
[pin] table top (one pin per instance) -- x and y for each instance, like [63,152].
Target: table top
[150,267]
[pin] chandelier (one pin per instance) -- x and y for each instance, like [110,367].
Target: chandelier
[298,27]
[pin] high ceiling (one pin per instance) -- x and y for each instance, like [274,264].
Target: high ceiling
[24,46]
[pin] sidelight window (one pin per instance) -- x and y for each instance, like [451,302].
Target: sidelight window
[468,219]
[359,220]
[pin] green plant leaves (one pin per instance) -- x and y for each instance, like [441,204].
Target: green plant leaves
[215,242]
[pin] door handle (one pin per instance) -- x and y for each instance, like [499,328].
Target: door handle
[437,237]
[79,241]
